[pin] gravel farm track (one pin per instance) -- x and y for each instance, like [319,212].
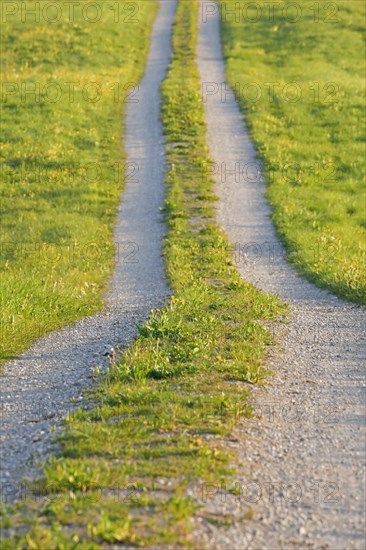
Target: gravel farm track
[301,468]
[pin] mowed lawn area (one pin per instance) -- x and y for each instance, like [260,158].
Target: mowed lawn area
[64,89]
[298,71]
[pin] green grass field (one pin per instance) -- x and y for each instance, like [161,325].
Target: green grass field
[62,169]
[299,76]
[170,401]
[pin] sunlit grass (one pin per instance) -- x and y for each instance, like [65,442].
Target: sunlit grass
[62,168]
[301,86]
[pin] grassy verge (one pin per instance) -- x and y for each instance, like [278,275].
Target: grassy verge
[168,402]
[299,76]
[64,85]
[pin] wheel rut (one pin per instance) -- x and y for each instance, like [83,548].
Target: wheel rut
[45,383]
[303,457]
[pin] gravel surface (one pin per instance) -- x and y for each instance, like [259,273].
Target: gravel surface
[302,462]
[37,388]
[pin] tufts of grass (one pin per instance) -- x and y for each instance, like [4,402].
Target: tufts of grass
[63,96]
[299,79]
[128,467]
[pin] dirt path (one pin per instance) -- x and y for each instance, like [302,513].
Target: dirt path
[303,461]
[38,386]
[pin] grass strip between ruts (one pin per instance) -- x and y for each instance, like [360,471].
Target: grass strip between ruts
[170,400]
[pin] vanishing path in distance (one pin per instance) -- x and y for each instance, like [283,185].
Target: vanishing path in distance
[305,456]
[37,387]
